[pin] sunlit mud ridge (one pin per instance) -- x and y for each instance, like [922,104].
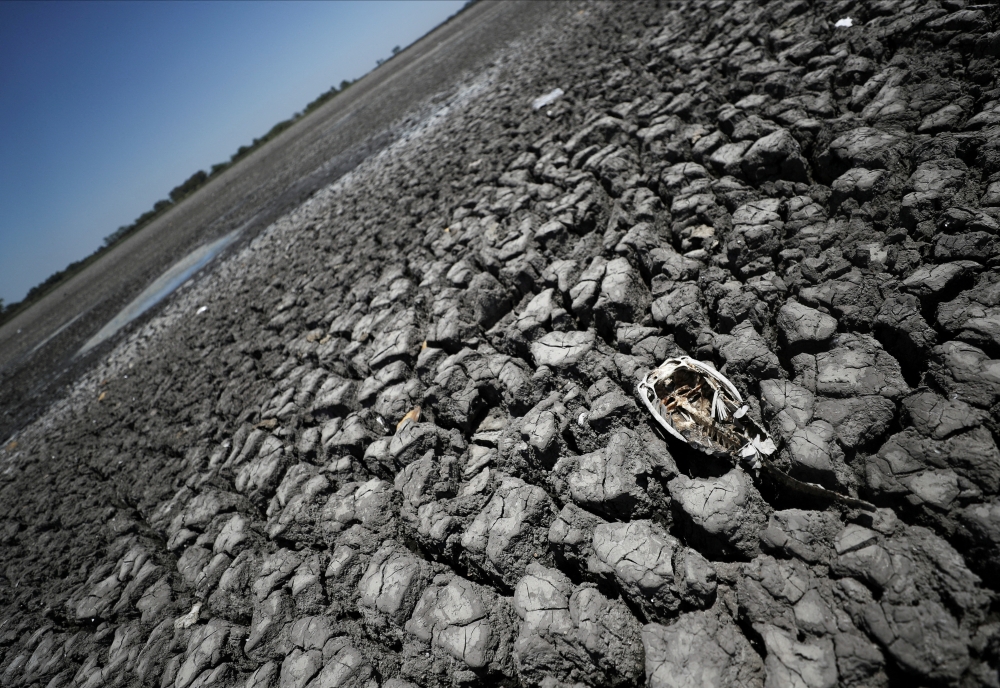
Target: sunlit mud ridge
[244,493]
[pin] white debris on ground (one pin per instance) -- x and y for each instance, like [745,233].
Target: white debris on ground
[844,23]
[189,619]
[549,98]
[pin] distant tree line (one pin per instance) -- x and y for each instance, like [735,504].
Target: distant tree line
[179,193]
[176,195]
[395,51]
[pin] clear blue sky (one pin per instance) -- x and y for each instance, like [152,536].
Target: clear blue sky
[106,106]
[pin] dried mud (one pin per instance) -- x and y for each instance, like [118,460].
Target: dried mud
[226,498]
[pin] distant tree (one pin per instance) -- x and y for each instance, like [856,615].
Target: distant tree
[189,186]
[379,62]
[396,50]
[344,84]
[116,235]
[1,305]
[162,205]
[240,152]
[277,129]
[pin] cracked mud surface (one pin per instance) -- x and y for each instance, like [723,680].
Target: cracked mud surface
[227,499]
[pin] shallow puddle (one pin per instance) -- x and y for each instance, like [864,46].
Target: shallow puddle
[164,285]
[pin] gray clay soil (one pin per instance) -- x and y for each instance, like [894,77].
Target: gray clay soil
[226,498]
[37,347]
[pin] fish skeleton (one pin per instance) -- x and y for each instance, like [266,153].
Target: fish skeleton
[698,405]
